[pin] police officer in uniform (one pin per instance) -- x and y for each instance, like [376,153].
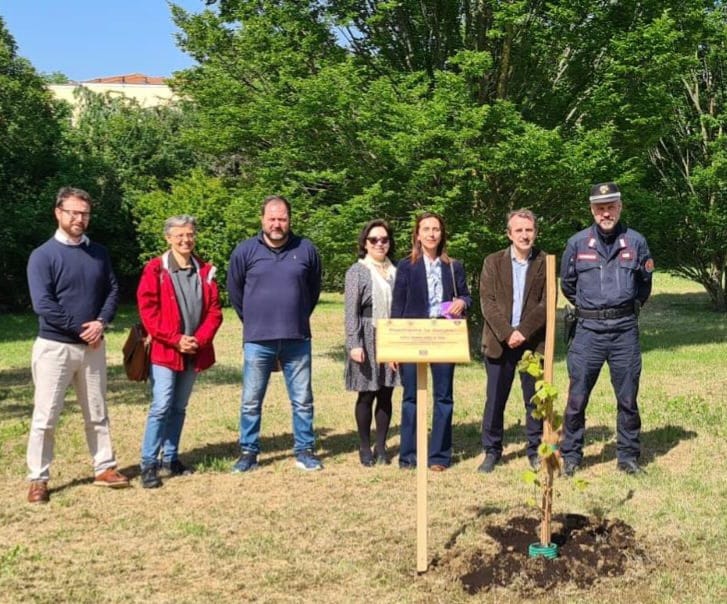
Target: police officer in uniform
[606,273]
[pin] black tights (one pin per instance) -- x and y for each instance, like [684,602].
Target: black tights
[364,405]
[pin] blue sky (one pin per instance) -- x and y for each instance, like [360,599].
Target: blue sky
[85,39]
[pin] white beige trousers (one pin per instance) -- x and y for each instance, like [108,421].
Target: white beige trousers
[56,366]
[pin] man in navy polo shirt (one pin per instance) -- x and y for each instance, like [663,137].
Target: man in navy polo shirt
[274,281]
[606,273]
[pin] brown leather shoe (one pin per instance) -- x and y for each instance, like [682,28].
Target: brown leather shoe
[111,478]
[38,492]
[437,468]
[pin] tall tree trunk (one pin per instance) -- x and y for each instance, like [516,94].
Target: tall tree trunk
[504,72]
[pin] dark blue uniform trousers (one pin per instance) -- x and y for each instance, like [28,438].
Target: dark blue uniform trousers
[440,439]
[500,376]
[588,352]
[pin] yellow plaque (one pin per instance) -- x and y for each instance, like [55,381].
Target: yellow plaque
[422,341]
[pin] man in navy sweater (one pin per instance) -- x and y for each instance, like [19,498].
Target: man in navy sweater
[274,281]
[75,295]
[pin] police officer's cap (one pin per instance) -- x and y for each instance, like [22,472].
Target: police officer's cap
[605,192]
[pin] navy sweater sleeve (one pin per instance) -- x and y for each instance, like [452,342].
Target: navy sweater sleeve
[314,278]
[236,279]
[568,275]
[42,284]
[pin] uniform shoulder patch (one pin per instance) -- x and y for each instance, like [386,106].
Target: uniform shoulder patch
[649,265]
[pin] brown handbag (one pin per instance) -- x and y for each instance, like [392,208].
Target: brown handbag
[137,354]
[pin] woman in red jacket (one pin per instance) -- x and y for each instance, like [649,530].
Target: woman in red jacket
[180,308]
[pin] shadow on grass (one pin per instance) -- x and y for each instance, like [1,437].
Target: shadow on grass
[669,321]
[659,441]
[15,410]
[336,353]
[16,393]
[18,327]
[278,447]
[654,443]
[274,447]
[325,302]
[672,320]
[467,440]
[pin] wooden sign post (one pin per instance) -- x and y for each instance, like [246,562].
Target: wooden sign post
[422,341]
[422,468]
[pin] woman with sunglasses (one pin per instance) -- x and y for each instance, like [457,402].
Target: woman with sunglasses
[369,284]
[429,284]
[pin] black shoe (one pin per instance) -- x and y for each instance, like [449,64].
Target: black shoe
[630,466]
[489,463]
[405,465]
[247,462]
[150,478]
[366,457]
[534,461]
[382,459]
[175,468]
[570,468]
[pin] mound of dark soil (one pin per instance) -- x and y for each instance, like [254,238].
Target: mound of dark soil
[589,549]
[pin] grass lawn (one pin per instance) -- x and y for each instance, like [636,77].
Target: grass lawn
[348,534]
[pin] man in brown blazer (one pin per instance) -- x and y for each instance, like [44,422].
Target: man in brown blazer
[512,297]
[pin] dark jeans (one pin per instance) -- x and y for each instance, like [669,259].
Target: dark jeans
[500,376]
[587,354]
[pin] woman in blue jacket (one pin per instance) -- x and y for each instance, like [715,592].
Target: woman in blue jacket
[429,284]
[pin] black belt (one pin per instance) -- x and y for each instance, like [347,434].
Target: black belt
[606,313]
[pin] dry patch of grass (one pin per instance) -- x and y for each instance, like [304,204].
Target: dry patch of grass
[348,534]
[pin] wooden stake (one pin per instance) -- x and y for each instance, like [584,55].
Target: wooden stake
[422,461]
[549,435]
[550,299]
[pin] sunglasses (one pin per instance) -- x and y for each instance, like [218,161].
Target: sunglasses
[377,240]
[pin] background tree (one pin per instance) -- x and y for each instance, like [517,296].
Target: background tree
[30,145]
[55,77]
[470,108]
[224,217]
[390,127]
[356,109]
[118,150]
[688,175]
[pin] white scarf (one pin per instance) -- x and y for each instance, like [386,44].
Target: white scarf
[381,288]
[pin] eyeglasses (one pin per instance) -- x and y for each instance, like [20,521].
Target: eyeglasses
[377,240]
[75,214]
[180,236]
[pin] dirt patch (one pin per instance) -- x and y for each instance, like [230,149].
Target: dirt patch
[590,549]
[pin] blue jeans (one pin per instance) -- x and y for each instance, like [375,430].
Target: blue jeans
[295,361]
[170,394]
[440,438]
